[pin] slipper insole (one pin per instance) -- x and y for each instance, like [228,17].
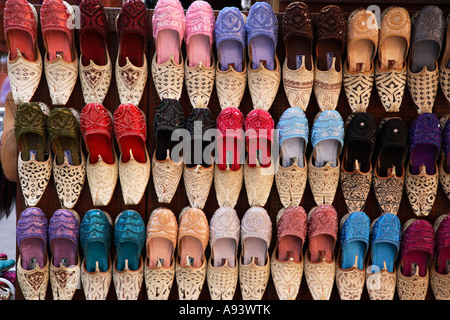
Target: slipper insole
[328,47]
[68,145]
[424,54]
[132,46]
[164,143]
[224,250]
[92,46]
[230,53]
[349,253]
[262,51]
[21,40]
[290,246]
[127,251]
[31,142]
[96,252]
[99,144]
[254,248]
[190,248]
[160,249]
[32,249]
[199,51]
[326,151]
[230,154]
[383,252]
[443,257]
[389,158]
[415,257]
[392,52]
[291,149]
[263,155]
[298,46]
[358,150]
[423,154]
[64,250]
[135,145]
[58,43]
[167,44]
[321,246]
[360,56]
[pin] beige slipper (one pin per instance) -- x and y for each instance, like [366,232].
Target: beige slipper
[228,185]
[291,183]
[166,177]
[263,85]
[168,78]
[230,86]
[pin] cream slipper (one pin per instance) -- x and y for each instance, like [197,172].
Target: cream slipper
[263,85]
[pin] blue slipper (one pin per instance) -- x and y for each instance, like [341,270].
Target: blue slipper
[95,238]
[230,39]
[385,239]
[355,231]
[293,133]
[129,238]
[262,35]
[5,265]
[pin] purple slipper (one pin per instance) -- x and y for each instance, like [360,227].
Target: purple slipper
[446,143]
[424,143]
[63,232]
[417,247]
[32,238]
[443,244]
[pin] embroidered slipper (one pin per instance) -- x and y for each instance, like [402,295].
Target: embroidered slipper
[389,173]
[358,75]
[422,178]
[327,138]
[167,167]
[128,270]
[96,124]
[356,169]
[291,176]
[96,268]
[229,173]
[298,72]
[199,65]
[161,241]
[24,59]
[190,269]
[287,257]
[95,62]
[61,58]
[264,73]
[231,67]
[444,67]
[439,270]
[350,266]
[198,171]
[330,31]
[320,261]
[444,164]
[423,68]
[34,160]
[130,129]
[168,23]
[416,255]
[63,234]
[8,142]
[131,64]
[69,165]
[385,234]
[254,261]
[393,47]
[222,272]
[32,263]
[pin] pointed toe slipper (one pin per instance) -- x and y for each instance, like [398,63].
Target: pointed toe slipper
[422,174]
[161,241]
[444,67]
[287,257]
[292,172]
[34,161]
[222,271]
[33,263]
[444,164]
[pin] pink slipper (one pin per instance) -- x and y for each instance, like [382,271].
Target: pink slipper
[322,232]
[168,30]
[199,33]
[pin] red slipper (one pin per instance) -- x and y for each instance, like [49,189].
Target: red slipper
[259,127]
[230,138]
